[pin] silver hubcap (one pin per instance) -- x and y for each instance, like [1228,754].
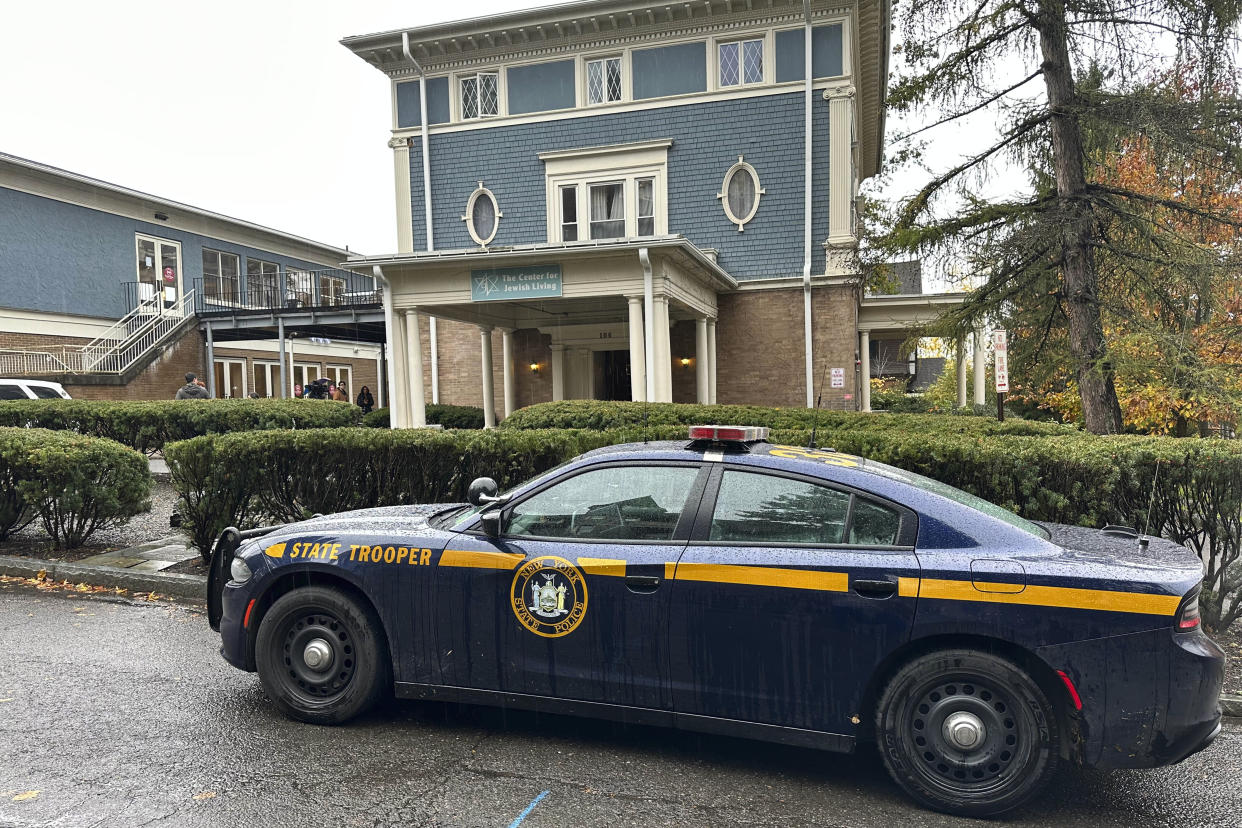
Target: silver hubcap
[964,730]
[318,655]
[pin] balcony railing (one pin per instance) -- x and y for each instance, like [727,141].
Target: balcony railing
[312,289]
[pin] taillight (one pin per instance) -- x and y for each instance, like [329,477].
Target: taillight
[1188,613]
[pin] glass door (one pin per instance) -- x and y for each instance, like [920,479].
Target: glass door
[159,273]
[231,378]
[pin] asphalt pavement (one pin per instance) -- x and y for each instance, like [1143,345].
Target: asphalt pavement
[123,714]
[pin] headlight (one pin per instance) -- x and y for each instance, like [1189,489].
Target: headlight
[239,571]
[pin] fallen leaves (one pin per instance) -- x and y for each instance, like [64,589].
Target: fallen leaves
[205,795]
[41,582]
[22,797]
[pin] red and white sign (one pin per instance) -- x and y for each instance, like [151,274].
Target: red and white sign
[838,377]
[1000,348]
[169,275]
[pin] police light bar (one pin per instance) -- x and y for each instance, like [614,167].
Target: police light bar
[729,434]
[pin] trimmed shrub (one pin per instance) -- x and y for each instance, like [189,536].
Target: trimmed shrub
[76,485]
[596,414]
[449,416]
[15,511]
[148,426]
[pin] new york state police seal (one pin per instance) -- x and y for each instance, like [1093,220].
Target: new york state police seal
[549,596]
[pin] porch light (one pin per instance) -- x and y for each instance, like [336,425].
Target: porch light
[534,367]
[685,362]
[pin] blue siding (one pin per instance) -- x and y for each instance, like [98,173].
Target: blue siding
[409,113]
[707,139]
[825,53]
[62,258]
[539,87]
[669,70]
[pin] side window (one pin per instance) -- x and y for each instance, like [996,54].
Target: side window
[624,503]
[763,508]
[12,392]
[45,393]
[873,524]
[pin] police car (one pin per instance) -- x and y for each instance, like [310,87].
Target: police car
[728,585]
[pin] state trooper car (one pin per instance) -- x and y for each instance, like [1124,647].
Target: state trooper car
[728,585]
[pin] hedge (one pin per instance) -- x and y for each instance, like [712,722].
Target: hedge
[148,426]
[75,485]
[449,416]
[595,414]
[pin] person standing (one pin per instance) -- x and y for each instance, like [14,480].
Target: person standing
[192,390]
[365,401]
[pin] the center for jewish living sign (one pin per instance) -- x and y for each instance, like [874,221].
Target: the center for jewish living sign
[501,283]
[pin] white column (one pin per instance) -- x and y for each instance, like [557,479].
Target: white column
[864,378]
[960,364]
[981,368]
[381,393]
[434,336]
[585,369]
[701,363]
[663,356]
[711,356]
[558,372]
[211,363]
[417,415]
[841,166]
[506,342]
[401,177]
[489,394]
[638,353]
[292,373]
[398,395]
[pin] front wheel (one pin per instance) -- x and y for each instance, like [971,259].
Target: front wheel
[967,733]
[320,656]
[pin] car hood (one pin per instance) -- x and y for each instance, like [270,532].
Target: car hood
[393,522]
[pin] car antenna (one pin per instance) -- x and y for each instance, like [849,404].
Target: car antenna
[818,399]
[1145,539]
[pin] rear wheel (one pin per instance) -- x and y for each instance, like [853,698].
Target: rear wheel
[320,656]
[967,733]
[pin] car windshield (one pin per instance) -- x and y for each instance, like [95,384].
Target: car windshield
[462,515]
[957,496]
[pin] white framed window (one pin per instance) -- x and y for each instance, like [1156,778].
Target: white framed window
[567,199]
[608,192]
[302,375]
[607,210]
[342,377]
[230,378]
[262,283]
[331,289]
[482,215]
[159,270]
[299,289]
[479,95]
[266,378]
[740,192]
[739,62]
[221,276]
[603,80]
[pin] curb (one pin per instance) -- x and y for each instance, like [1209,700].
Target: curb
[1231,705]
[174,585]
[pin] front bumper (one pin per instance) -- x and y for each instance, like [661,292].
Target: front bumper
[234,637]
[1149,699]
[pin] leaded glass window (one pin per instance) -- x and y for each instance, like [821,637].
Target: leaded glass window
[603,80]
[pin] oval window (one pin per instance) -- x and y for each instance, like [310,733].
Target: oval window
[740,193]
[482,215]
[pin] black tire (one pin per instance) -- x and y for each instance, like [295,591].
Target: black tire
[1009,716]
[324,622]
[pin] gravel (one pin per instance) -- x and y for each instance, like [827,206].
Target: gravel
[141,528]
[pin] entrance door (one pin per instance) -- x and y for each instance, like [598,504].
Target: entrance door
[571,601]
[159,272]
[231,378]
[267,378]
[785,600]
[614,369]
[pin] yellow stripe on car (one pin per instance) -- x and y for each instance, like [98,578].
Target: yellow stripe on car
[1042,596]
[481,560]
[603,566]
[762,576]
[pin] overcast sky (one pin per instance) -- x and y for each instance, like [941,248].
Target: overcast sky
[250,108]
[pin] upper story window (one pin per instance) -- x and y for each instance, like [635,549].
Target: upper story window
[482,216]
[609,192]
[740,62]
[480,95]
[603,80]
[220,275]
[740,192]
[262,280]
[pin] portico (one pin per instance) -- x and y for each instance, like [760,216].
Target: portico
[587,320]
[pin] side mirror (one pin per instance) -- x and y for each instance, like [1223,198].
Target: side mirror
[491,523]
[482,490]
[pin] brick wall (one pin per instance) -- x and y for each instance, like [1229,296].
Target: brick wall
[760,352]
[159,380]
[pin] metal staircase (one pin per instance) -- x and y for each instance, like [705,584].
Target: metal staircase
[131,338]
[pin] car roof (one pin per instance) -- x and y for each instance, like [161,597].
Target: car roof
[42,383]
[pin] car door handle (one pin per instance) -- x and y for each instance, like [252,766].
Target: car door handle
[642,583]
[874,589]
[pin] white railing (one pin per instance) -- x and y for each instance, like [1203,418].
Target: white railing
[149,324]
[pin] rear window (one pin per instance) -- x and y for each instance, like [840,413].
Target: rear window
[45,393]
[12,392]
[957,496]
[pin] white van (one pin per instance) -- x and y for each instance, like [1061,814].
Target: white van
[24,389]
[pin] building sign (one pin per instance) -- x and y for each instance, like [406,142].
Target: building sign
[501,284]
[1001,349]
[838,377]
